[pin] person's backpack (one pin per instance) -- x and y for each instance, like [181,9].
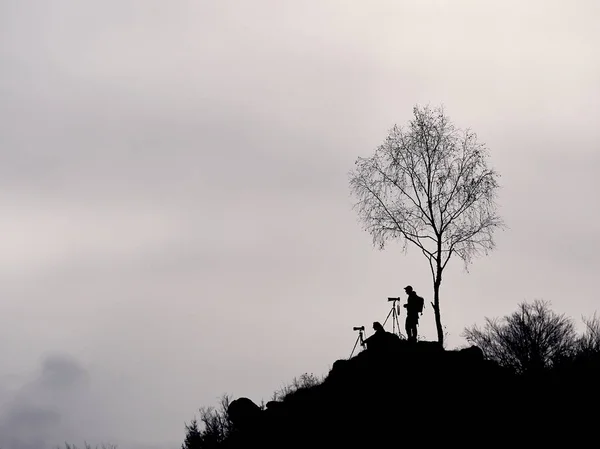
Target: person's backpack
[419,303]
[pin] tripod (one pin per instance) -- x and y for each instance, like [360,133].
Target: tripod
[360,330]
[395,314]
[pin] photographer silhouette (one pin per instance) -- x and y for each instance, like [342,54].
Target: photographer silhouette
[414,306]
[381,340]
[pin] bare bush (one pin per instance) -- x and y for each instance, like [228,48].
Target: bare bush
[531,339]
[298,383]
[589,342]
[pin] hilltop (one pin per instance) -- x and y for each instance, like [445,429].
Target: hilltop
[419,393]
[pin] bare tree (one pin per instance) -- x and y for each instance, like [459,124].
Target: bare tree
[213,429]
[530,339]
[429,185]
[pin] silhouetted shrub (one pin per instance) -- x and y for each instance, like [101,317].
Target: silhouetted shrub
[531,339]
[215,428]
[303,382]
[193,436]
[589,342]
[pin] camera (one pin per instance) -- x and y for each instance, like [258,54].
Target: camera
[394,299]
[359,328]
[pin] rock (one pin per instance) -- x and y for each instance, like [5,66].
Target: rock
[473,354]
[243,413]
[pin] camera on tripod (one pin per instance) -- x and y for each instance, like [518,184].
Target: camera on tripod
[395,314]
[359,339]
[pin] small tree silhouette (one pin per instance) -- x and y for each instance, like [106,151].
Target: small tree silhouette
[531,339]
[216,427]
[193,436]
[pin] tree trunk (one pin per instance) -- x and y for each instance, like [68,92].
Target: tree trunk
[436,310]
[437,281]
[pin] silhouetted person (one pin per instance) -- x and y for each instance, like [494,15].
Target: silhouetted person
[380,340]
[414,306]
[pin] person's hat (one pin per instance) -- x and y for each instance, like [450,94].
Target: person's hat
[408,288]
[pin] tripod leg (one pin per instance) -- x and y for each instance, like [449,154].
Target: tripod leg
[357,340]
[397,317]
[396,322]
[388,316]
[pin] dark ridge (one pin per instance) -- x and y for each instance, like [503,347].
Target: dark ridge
[418,393]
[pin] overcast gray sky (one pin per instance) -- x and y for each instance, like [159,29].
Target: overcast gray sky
[176,221]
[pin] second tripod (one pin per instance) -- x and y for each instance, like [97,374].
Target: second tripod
[360,339]
[395,314]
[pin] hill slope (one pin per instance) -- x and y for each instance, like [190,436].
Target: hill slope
[419,393]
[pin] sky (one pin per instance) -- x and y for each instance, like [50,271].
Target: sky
[175,216]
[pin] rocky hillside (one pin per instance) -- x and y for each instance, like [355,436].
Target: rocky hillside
[421,394]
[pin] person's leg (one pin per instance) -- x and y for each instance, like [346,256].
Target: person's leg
[410,329]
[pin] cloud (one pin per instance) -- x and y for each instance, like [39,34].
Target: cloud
[48,408]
